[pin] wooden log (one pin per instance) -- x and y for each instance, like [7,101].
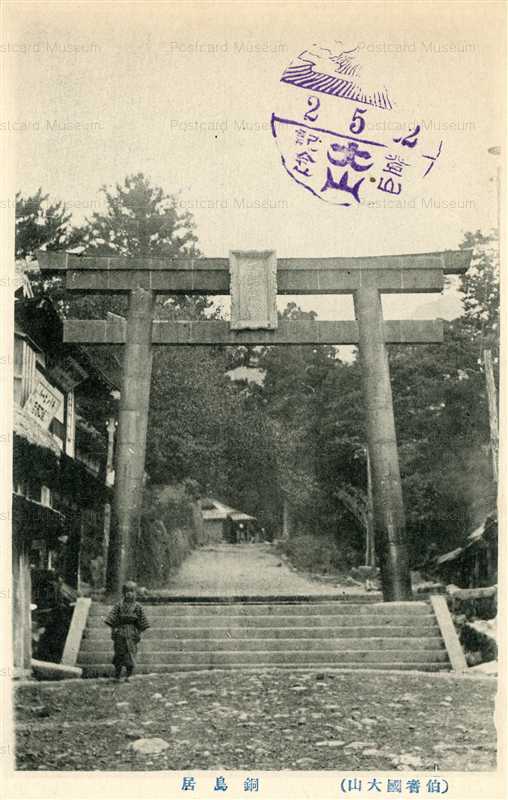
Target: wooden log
[479,593]
[48,671]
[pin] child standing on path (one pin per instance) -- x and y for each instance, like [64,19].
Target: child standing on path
[127,621]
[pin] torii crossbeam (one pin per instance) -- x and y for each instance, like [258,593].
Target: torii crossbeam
[142,278]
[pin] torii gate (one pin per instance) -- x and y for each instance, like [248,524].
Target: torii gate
[253,279]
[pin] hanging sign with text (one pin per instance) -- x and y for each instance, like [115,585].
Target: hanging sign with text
[44,403]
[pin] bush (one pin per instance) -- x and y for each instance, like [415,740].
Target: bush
[320,554]
[170,529]
[478,646]
[472,610]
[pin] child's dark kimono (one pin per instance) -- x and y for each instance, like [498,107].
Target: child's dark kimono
[127,621]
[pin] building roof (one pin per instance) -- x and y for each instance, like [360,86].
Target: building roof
[451,556]
[480,533]
[38,318]
[239,516]
[27,427]
[215,510]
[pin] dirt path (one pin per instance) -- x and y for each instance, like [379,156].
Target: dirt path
[263,719]
[245,569]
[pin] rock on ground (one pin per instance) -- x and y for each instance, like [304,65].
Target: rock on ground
[149,746]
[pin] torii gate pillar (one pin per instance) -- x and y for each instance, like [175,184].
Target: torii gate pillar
[131,438]
[389,518]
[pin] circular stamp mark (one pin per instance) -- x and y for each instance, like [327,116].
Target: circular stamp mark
[341,136]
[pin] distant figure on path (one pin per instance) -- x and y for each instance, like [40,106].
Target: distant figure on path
[127,621]
[257,535]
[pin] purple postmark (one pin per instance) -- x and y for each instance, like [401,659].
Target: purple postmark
[336,145]
[319,70]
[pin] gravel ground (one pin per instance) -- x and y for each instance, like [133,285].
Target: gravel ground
[254,569]
[270,720]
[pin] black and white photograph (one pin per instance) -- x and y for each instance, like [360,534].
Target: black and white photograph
[251,390]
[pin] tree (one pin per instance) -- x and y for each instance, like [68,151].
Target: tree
[205,426]
[441,414]
[480,287]
[140,220]
[145,221]
[314,449]
[442,432]
[292,376]
[188,414]
[299,434]
[41,223]
[315,404]
[199,423]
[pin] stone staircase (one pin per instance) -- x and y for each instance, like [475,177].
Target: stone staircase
[298,632]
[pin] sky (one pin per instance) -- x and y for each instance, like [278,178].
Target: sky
[184,93]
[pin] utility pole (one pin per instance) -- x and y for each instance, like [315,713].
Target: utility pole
[496,151]
[487,353]
[493,418]
[286,522]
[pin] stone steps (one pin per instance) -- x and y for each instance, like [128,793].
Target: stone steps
[298,657]
[294,608]
[216,631]
[105,669]
[288,644]
[304,633]
[273,621]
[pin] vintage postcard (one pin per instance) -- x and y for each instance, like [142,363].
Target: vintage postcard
[252,400]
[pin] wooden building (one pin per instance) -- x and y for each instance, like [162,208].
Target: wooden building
[475,564]
[221,522]
[63,400]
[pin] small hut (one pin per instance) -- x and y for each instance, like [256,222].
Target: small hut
[222,523]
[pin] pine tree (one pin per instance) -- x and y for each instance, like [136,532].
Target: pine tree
[41,223]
